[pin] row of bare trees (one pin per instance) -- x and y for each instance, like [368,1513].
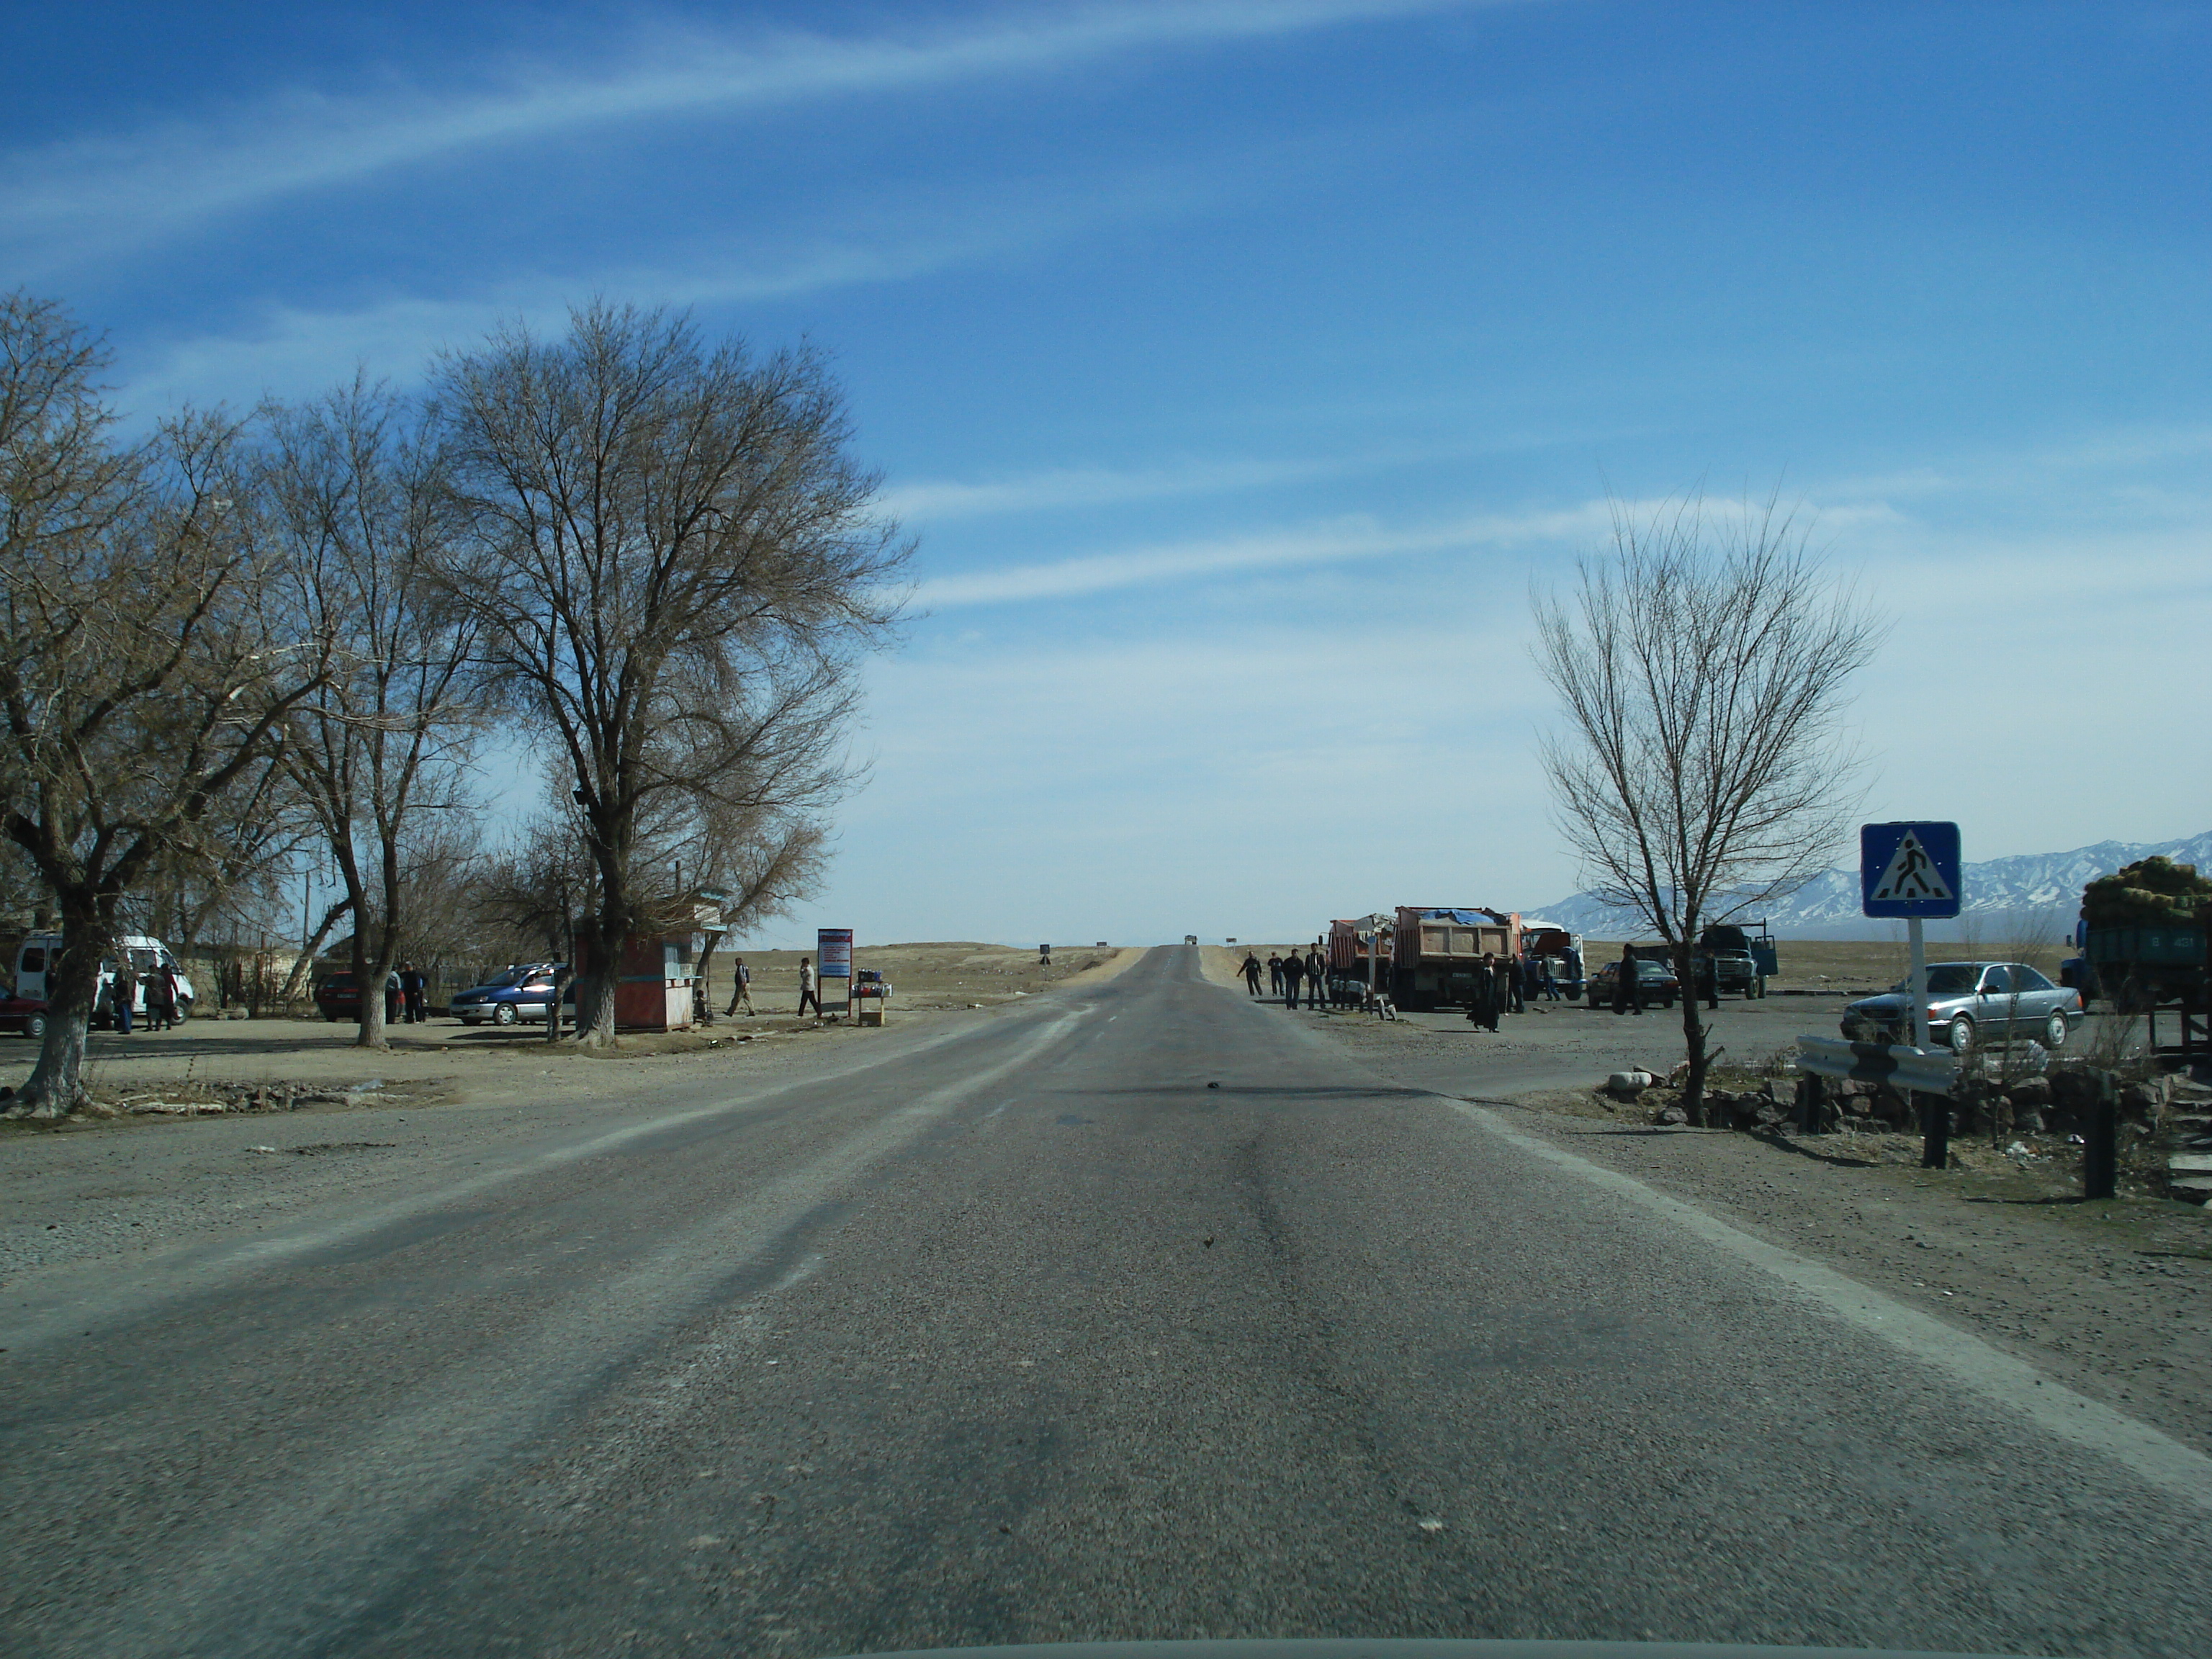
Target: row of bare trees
[648,560]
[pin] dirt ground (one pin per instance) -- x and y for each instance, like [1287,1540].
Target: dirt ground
[447,1060]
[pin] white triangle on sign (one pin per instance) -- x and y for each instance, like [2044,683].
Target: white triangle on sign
[1911,874]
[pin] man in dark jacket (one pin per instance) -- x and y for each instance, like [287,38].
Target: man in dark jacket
[1482,1011]
[1516,985]
[1251,972]
[1316,979]
[124,989]
[1294,970]
[1627,987]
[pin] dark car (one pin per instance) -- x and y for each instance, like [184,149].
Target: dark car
[1968,1001]
[24,1014]
[524,992]
[1659,983]
[338,996]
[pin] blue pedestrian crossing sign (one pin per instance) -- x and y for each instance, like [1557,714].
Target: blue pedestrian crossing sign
[1908,869]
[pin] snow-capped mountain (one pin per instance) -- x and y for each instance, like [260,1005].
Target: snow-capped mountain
[2044,886]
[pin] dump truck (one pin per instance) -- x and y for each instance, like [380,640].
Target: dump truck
[1436,952]
[2144,931]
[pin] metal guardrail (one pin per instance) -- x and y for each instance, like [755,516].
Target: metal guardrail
[1901,1068]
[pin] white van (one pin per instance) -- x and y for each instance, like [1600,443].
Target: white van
[34,958]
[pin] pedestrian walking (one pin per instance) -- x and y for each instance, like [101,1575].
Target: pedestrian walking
[741,990]
[1274,973]
[125,990]
[1251,972]
[1517,984]
[1546,983]
[1572,957]
[1294,970]
[807,993]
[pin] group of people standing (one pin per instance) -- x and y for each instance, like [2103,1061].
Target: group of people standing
[160,987]
[160,984]
[1289,973]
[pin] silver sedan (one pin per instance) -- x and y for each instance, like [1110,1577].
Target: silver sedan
[1968,1002]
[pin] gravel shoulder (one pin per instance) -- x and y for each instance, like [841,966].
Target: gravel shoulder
[2109,1298]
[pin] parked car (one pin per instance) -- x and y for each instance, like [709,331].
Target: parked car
[24,1014]
[1659,983]
[1969,1001]
[339,993]
[524,992]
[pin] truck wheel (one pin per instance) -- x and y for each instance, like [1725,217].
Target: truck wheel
[1759,990]
[2054,1032]
[1961,1031]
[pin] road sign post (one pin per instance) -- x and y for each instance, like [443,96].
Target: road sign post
[1911,870]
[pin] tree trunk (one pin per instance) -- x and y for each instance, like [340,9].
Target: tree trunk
[1693,1033]
[56,1087]
[610,931]
[307,962]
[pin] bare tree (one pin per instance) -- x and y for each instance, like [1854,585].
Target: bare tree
[353,490]
[1700,772]
[675,563]
[142,681]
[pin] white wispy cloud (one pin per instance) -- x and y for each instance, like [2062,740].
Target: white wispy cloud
[1336,541]
[80,198]
[1584,526]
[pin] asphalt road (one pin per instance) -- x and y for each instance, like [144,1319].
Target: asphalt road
[1031,1334]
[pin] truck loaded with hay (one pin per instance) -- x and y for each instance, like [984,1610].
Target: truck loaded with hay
[2143,930]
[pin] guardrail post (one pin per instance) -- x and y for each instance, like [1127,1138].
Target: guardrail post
[1936,1126]
[2100,1149]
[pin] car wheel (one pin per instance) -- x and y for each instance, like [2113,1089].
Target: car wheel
[1961,1031]
[504,1014]
[2054,1032]
[35,1027]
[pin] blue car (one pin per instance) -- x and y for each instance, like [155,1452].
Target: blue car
[523,992]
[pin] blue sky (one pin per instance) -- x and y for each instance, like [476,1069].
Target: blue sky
[1239,365]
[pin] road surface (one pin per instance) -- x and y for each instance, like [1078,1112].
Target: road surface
[1138,1312]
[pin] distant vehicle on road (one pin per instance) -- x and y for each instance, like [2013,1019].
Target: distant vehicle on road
[1546,943]
[523,992]
[1968,1002]
[24,1014]
[1737,971]
[1754,941]
[1659,983]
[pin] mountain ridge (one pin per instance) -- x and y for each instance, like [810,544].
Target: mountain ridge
[2026,889]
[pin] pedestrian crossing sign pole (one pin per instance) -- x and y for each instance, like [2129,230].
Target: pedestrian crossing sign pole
[1910,871]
